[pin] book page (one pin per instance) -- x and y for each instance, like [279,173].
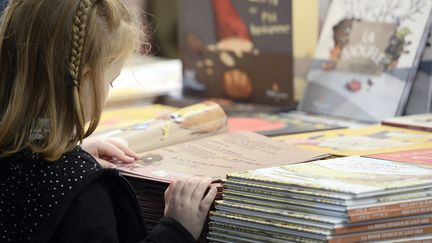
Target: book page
[189,123]
[217,156]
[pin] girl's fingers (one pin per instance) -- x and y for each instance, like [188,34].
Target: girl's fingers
[177,188]
[123,147]
[190,185]
[208,200]
[198,193]
[107,149]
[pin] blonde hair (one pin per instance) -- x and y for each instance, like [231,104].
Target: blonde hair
[44,47]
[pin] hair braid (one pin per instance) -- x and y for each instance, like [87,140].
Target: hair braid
[79,33]
[78,36]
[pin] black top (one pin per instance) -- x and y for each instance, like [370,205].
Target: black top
[73,200]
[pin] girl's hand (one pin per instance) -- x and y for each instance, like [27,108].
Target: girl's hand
[186,202]
[109,151]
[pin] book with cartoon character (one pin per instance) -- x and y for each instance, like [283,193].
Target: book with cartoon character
[239,50]
[366,58]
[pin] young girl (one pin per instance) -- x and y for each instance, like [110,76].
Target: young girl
[57,59]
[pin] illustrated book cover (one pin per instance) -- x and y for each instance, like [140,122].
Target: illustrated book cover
[361,141]
[366,49]
[239,50]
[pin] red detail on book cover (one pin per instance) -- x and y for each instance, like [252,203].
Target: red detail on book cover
[228,22]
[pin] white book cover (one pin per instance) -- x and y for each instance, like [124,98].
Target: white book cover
[366,58]
[358,176]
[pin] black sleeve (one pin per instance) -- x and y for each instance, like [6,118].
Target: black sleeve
[90,218]
[169,230]
[95,216]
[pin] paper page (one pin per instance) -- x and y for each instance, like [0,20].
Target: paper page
[217,156]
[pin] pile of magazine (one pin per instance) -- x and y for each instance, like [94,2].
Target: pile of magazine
[348,199]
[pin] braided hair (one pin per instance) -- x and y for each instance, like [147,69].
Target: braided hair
[79,32]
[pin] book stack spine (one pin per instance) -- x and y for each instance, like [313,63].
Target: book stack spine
[246,213]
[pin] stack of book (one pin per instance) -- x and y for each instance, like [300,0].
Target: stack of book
[346,199]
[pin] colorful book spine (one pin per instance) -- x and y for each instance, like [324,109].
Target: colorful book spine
[393,206]
[396,223]
[390,214]
[382,235]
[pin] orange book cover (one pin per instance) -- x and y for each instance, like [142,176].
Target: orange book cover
[417,156]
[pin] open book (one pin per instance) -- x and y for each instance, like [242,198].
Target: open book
[194,141]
